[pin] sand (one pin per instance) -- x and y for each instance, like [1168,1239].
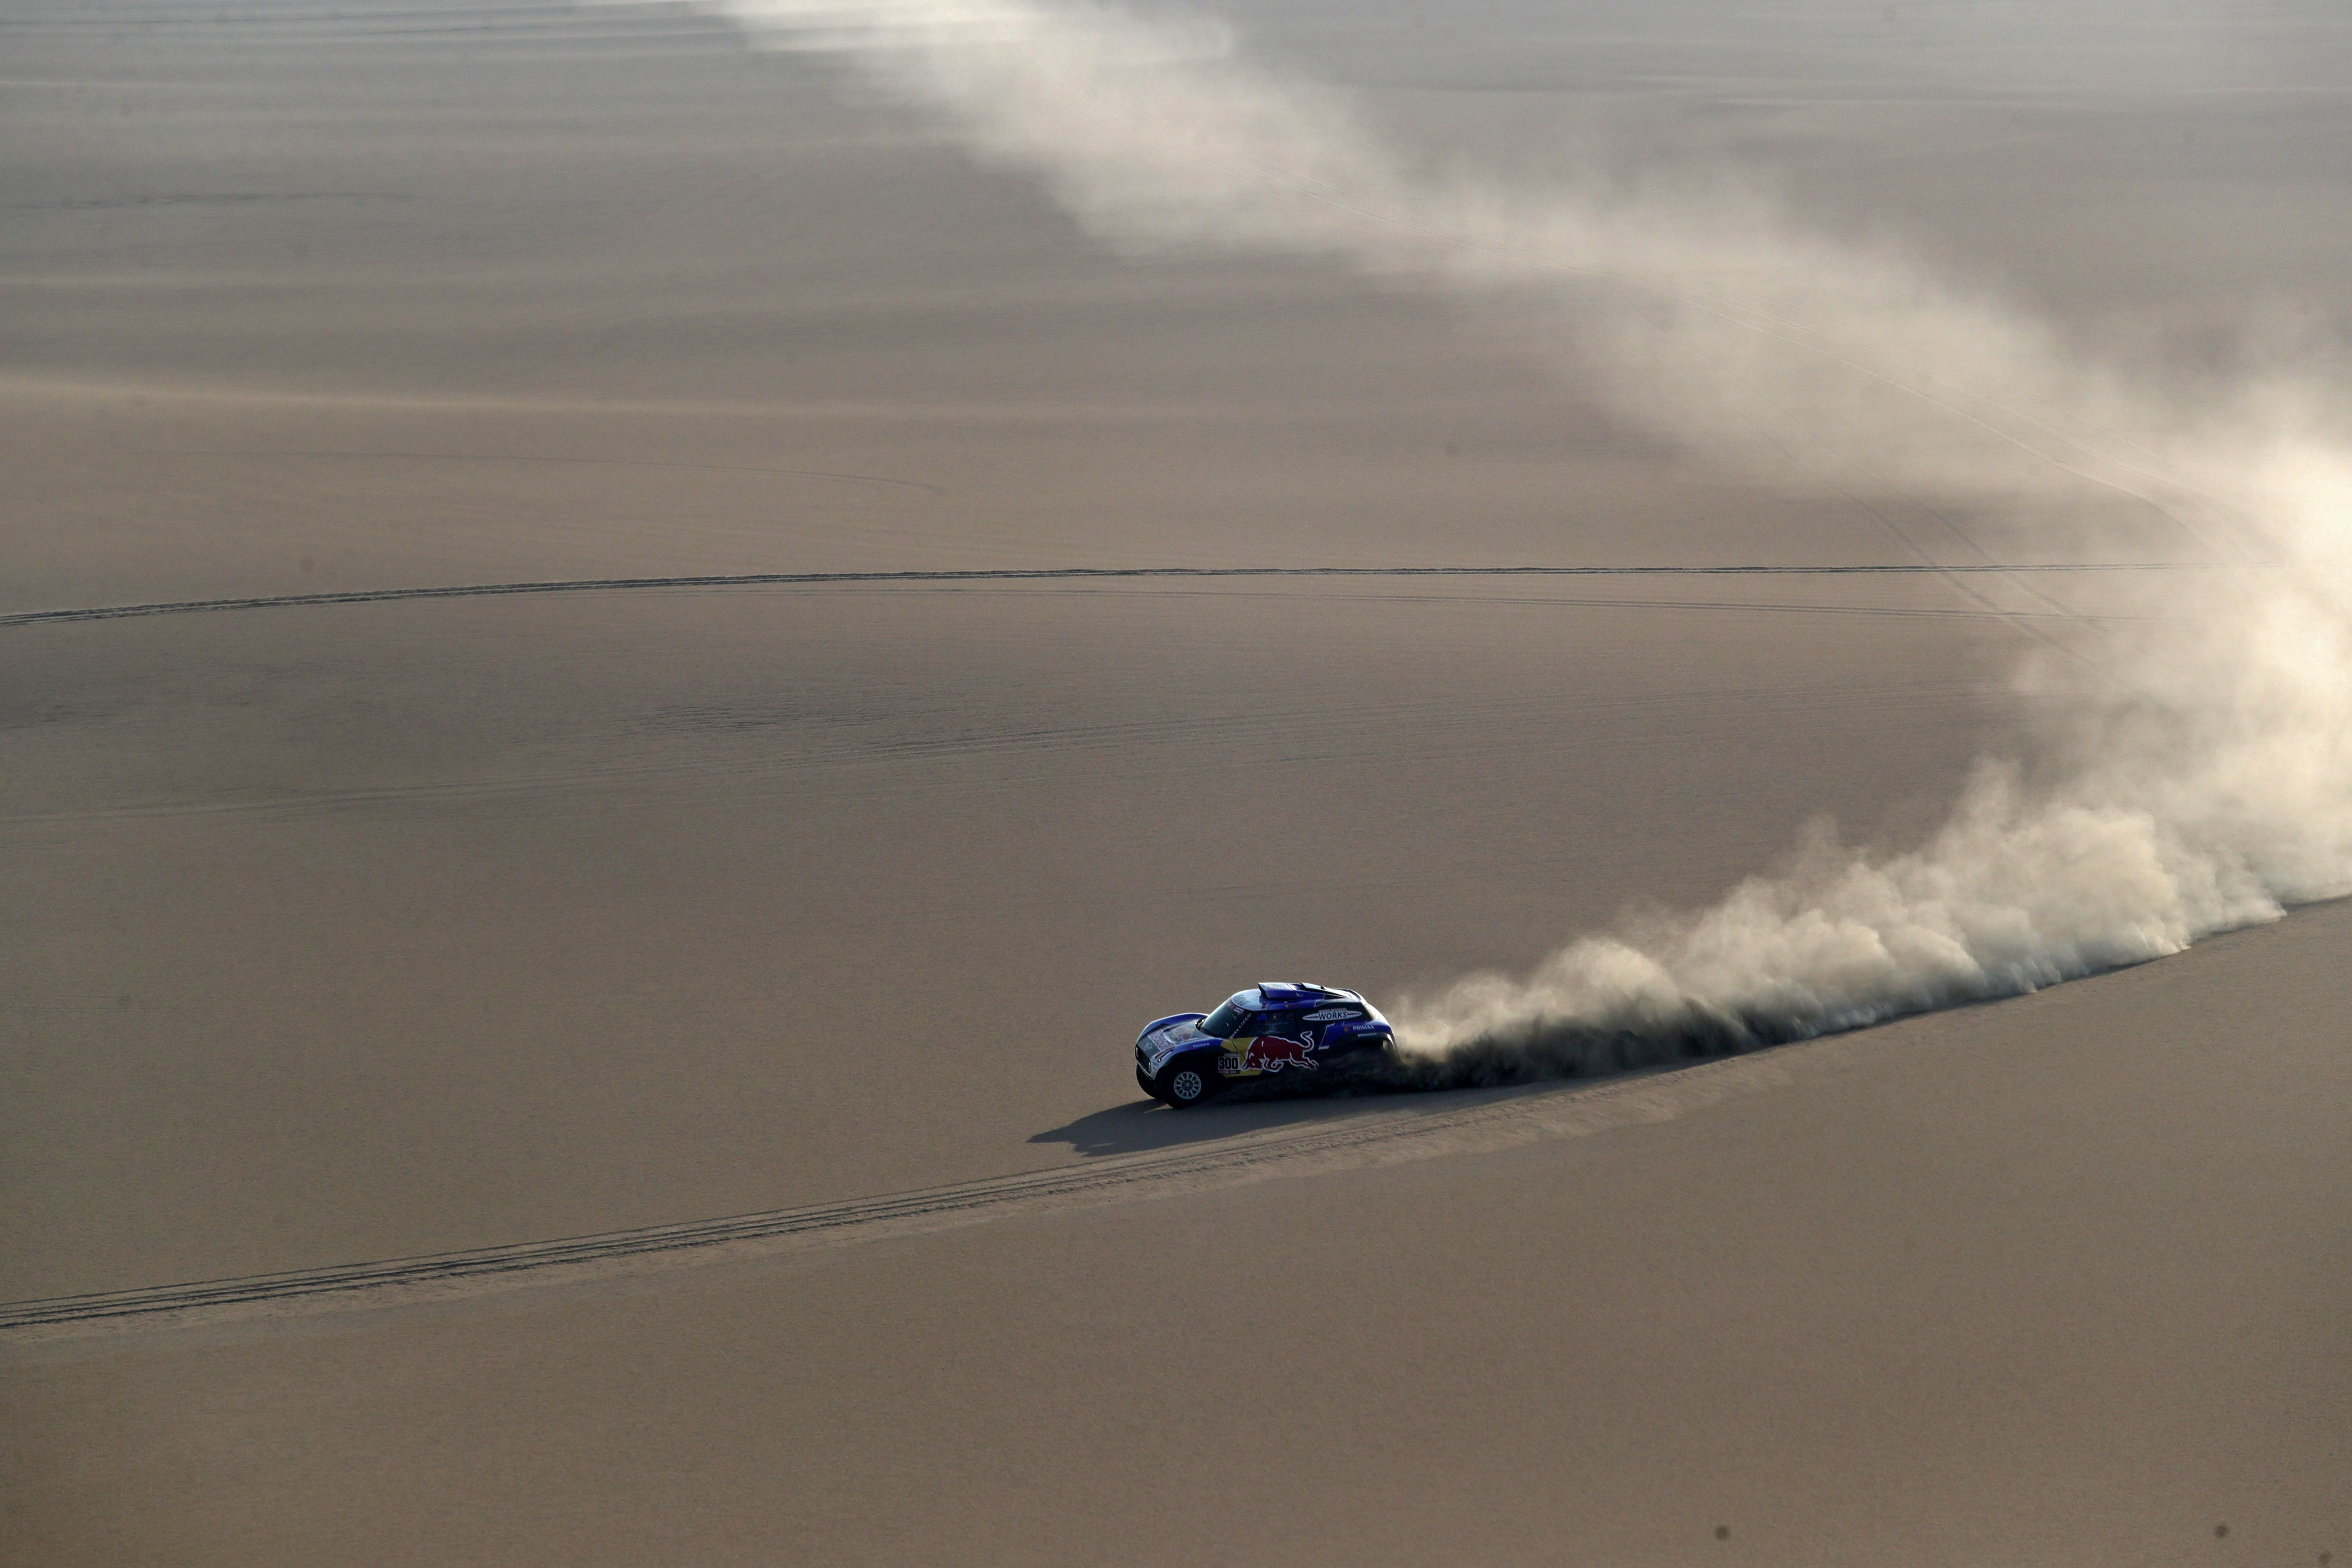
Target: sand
[2055,1280]
[357,931]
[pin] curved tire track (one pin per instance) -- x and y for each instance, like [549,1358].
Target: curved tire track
[1011,575]
[551,459]
[1496,1119]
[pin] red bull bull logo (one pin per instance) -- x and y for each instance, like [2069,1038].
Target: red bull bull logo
[1271,1053]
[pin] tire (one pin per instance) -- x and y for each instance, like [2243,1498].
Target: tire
[1190,1079]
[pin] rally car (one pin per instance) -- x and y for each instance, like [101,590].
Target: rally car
[1279,1031]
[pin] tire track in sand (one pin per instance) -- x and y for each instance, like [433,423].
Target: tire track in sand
[1015,574]
[1387,1131]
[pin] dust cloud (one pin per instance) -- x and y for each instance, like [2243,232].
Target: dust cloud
[2200,777]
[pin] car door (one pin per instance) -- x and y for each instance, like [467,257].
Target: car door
[1274,1043]
[1327,1030]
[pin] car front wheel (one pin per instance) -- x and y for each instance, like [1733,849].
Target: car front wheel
[1185,1082]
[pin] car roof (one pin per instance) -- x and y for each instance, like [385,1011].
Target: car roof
[1272,995]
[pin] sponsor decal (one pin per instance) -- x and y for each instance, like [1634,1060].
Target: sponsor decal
[1272,1054]
[1330,1012]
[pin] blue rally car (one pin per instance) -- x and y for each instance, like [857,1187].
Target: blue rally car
[1280,1031]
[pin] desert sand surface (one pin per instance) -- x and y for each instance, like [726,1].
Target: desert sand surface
[359,930]
[2052,1281]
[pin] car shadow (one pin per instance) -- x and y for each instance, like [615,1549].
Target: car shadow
[1145,1124]
[1141,1124]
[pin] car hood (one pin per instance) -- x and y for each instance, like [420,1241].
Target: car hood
[1170,1036]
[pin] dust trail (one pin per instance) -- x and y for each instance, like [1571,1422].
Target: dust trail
[2203,788]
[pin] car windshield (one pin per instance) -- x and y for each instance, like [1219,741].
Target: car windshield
[1228,1019]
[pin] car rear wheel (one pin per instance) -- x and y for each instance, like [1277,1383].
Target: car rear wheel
[1187,1081]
